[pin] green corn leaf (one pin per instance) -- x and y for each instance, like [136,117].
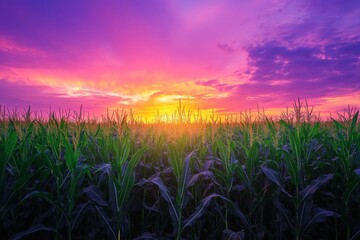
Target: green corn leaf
[222,176]
[10,144]
[244,219]
[185,178]
[338,125]
[315,185]
[165,193]
[271,126]
[224,154]
[253,159]
[291,168]
[79,211]
[147,236]
[176,161]
[101,212]
[48,198]
[75,182]
[200,210]
[320,215]
[194,178]
[129,178]
[95,195]
[353,123]
[284,212]
[350,188]
[286,126]
[126,151]
[19,185]
[274,177]
[241,170]
[9,148]
[70,156]
[33,229]
[314,130]
[296,146]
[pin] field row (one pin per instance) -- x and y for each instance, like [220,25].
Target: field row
[269,180]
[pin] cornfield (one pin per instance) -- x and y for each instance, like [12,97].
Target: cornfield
[68,177]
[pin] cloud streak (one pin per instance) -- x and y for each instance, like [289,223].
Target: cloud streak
[39,97]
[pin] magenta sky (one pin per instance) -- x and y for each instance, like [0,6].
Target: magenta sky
[146,54]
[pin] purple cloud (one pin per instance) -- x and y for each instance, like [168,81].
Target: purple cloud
[214,83]
[226,48]
[307,64]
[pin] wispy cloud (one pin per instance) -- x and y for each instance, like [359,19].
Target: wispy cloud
[214,83]
[39,97]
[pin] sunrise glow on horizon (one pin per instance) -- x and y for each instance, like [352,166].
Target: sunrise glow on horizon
[145,55]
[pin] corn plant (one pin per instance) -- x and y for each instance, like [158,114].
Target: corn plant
[226,153]
[347,168]
[122,181]
[306,212]
[67,177]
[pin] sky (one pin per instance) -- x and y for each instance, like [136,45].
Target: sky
[145,55]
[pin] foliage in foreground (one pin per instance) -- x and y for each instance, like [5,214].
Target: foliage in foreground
[64,179]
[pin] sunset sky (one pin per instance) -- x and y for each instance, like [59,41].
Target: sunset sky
[147,54]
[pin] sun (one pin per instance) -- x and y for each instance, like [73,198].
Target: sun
[167,108]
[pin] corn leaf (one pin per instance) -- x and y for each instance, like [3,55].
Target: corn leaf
[33,229]
[315,185]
